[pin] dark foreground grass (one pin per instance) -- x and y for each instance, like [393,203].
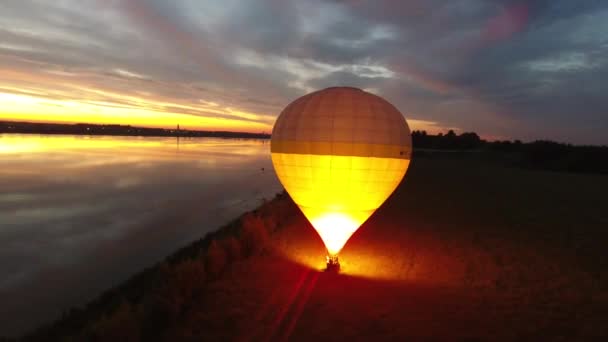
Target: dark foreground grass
[469,250]
[465,249]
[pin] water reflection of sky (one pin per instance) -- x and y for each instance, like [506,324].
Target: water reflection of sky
[80,214]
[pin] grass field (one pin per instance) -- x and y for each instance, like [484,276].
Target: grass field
[464,250]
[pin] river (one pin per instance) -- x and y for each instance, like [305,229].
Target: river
[79,214]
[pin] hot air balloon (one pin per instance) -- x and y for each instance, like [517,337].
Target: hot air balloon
[340,152]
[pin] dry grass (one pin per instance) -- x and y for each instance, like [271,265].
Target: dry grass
[467,250]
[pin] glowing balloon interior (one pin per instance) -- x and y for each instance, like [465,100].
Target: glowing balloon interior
[340,153]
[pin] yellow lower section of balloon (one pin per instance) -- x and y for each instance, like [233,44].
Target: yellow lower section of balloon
[337,194]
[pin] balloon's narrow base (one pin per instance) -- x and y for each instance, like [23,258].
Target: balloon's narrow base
[333,264]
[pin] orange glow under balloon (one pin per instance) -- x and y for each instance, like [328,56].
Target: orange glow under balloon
[335,229]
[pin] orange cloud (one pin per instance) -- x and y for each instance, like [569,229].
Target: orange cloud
[52,97]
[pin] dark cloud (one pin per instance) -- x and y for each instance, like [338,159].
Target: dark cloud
[520,69]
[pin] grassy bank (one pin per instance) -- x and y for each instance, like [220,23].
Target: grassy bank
[465,249]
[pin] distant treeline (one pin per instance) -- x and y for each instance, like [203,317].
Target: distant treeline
[119,130]
[540,154]
[449,141]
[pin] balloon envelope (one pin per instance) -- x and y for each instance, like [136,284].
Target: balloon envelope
[339,153]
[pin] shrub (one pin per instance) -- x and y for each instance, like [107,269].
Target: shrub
[180,284]
[271,222]
[216,259]
[254,236]
[188,278]
[232,246]
[121,325]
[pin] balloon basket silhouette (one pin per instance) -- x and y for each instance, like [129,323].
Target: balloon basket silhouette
[333,264]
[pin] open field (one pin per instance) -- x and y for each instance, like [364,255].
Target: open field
[464,250]
[467,250]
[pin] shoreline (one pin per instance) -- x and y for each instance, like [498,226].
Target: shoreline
[240,238]
[14,127]
[155,197]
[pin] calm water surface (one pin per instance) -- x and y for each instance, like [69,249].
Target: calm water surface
[79,214]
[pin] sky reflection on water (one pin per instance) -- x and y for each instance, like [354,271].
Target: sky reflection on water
[79,214]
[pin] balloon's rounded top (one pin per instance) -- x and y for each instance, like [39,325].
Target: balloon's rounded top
[342,87]
[354,121]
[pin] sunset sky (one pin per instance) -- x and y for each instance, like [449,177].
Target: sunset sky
[505,69]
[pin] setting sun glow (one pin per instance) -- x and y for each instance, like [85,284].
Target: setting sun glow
[25,107]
